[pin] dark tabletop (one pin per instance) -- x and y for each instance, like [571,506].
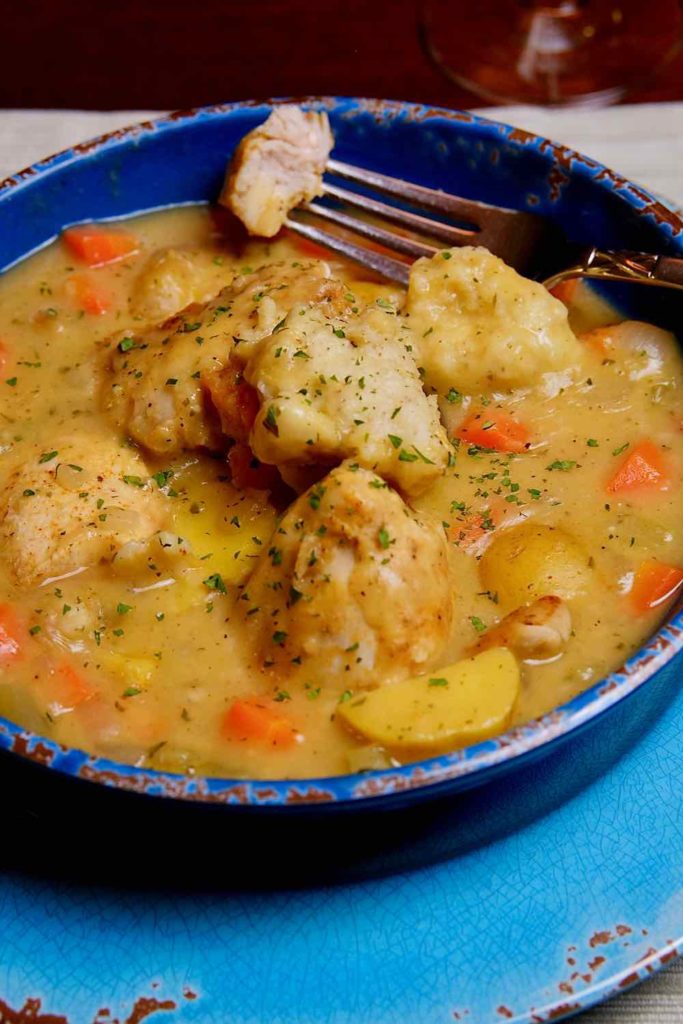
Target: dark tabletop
[162,54]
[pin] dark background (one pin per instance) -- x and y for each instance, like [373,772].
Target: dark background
[150,54]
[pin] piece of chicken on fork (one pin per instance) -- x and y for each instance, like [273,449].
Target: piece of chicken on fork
[277,166]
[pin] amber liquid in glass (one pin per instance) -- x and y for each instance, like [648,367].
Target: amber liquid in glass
[555,52]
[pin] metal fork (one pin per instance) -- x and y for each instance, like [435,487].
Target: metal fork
[530,243]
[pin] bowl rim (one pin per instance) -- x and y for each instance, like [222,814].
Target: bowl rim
[469,765]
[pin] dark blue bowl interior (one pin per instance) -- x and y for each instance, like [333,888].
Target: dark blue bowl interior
[181,160]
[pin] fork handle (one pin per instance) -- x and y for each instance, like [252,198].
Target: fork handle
[622,265]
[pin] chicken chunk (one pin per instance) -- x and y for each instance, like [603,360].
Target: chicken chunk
[332,389]
[354,588]
[173,279]
[277,166]
[481,326]
[538,632]
[162,380]
[60,510]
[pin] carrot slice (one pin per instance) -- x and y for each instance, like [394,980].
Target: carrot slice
[308,248]
[600,339]
[469,531]
[97,244]
[5,356]
[254,720]
[65,687]
[565,291]
[248,472]
[643,469]
[88,295]
[495,430]
[653,584]
[12,634]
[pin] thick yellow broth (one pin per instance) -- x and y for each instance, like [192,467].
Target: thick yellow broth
[165,652]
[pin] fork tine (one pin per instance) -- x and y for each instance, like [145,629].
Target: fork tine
[409,246]
[392,269]
[467,209]
[425,225]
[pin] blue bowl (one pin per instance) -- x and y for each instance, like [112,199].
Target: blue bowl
[180,160]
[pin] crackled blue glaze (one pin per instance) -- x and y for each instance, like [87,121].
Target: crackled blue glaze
[181,159]
[579,856]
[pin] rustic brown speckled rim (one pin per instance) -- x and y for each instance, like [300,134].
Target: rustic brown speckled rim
[460,768]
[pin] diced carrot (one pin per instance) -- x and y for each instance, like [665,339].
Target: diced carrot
[88,294]
[565,291]
[64,687]
[643,469]
[5,356]
[309,248]
[496,430]
[600,339]
[12,634]
[248,472]
[469,531]
[255,720]
[653,584]
[98,244]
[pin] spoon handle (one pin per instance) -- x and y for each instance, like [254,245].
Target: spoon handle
[622,265]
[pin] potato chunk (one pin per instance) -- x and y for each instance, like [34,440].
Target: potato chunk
[481,326]
[451,707]
[277,166]
[532,560]
[353,588]
[75,507]
[333,389]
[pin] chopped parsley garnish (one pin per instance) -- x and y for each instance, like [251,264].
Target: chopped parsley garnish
[563,465]
[315,497]
[270,421]
[404,456]
[478,624]
[34,630]
[453,396]
[48,456]
[131,691]
[12,381]
[395,440]
[383,537]
[162,477]
[126,344]
[133,481]
[215,582]
[123,609]
[438,682]
[592,442]
[279,637]
[338,332]
[621,449]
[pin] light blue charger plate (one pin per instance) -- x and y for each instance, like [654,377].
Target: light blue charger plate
[565,912]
